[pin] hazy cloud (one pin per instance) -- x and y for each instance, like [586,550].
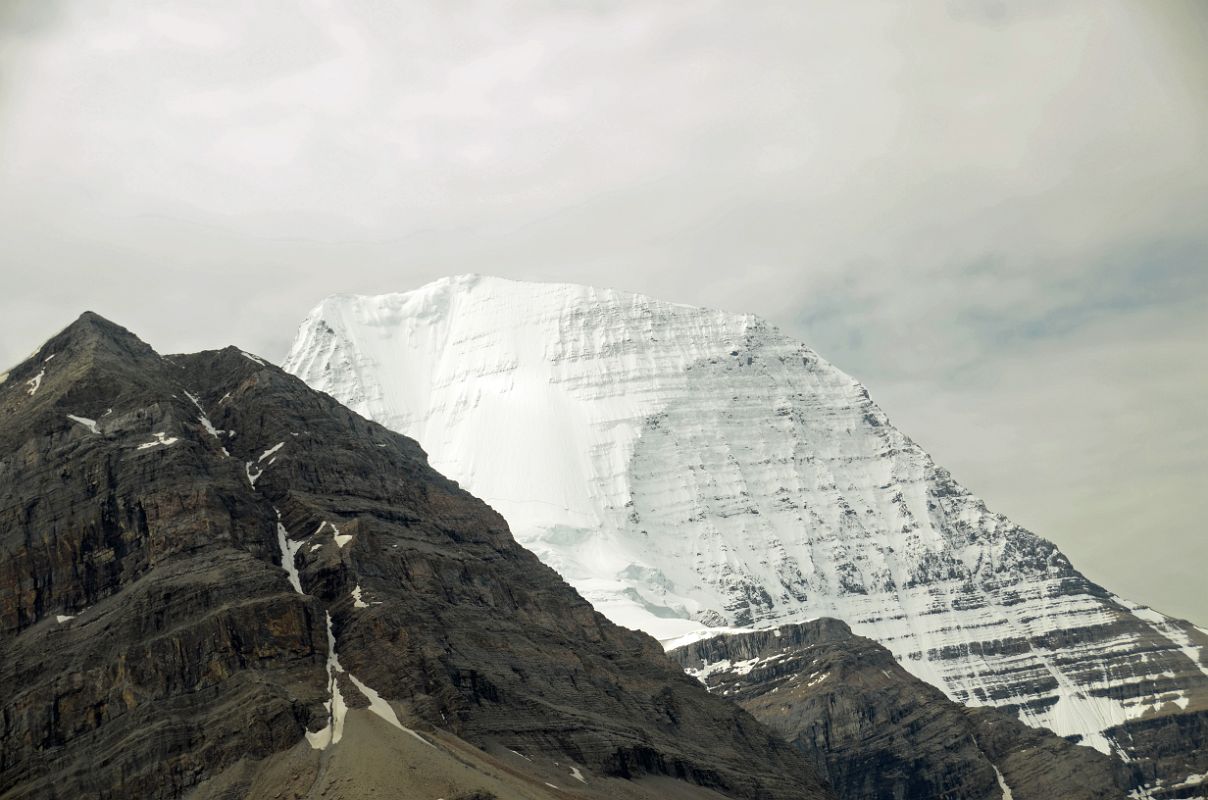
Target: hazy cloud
[991,212]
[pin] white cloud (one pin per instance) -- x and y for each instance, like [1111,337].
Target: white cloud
[944,198]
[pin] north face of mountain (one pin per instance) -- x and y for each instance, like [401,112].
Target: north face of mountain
[685,467]
[878,733]
[216,581]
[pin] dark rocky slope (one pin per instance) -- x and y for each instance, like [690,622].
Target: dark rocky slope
[151,642]
[878,733]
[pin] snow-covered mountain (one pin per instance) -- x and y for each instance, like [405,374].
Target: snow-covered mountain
[687,467]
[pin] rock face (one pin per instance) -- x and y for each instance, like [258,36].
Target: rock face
[684,467]
[878,733]
[206,567]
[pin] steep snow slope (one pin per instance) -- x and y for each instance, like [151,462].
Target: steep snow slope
[684,467]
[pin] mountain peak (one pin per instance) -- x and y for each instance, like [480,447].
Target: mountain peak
[689,468]
[90,332]
[92,325]
[90,346]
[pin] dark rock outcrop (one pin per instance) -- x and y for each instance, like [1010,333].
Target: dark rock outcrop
[1174,748]
[151,636]
[878,733]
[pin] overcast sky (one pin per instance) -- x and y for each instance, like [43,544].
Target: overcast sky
[995,214]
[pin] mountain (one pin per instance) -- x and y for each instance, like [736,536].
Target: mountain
[876,732]
[216,582]
[690,469]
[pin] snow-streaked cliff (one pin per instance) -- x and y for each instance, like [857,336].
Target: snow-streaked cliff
[684,467]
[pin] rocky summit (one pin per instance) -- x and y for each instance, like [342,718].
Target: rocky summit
[217,582]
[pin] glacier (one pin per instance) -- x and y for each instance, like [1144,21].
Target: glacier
[691,470]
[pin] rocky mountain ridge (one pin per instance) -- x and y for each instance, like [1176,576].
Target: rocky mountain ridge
[876,732]
[217,582]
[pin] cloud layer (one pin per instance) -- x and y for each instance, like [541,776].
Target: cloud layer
[991,213]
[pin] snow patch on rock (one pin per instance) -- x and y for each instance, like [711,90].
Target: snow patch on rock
[340,538]
[161,440]
[270,451]
[289,552]
[337,709]
[90,424]
[383,709]
[1002,785]
[35,382]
